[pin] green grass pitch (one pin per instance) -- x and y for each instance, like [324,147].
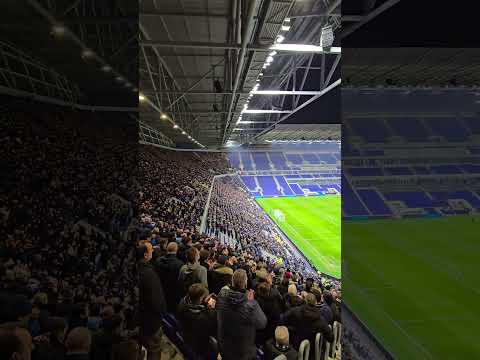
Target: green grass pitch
[313,224]
[414,284]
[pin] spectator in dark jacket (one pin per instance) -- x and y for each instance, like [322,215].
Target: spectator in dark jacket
[329,300]
[51,346]
[272,305]
[292,299]
[104,340]
[280,345]
[198,318]
[152,304]
[238,318]
[220,275]
[192,272]
[168,268]
[324,309]
[306,321]
[15,343]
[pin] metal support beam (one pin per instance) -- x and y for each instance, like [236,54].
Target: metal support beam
[183,14]
[370,16]
[195,84]
[306,103]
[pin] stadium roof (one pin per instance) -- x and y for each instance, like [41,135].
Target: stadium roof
[76,39]
[411,66]
[200,59]
[305,132]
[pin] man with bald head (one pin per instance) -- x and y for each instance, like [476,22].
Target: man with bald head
[15,343]
[168,268]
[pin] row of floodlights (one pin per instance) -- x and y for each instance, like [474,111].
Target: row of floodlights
[164,116]
[268,61]
[60,31]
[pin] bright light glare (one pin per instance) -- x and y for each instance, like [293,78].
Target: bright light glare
[106,68]
[305,48]
[87,53]
[183,132]
[141,97]
[273,53]
[280,39]
[269,59]
[285,28]
[58,30]
[163,116]
[175,126]
[287,20]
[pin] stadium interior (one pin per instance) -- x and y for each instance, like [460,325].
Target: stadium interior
[190,179]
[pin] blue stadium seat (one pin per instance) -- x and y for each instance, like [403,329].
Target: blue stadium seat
[351,204]
[374,202]
[268,185]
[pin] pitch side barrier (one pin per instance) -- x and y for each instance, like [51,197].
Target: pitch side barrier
[366,331]
[389,217]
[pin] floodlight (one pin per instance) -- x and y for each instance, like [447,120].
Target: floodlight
[106,68]
[269,59]
[163,116]
[59,30]
[141,97]
[175,126]
[280,39]
[285,27]
[326,37]
[87,53]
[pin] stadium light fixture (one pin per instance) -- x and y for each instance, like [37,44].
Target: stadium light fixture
[306,48]
[106,68]
[128,85]
[87,54]
[163,116]
[269,59]
[59,30]
[285,27]
[326,37]
[280,39]
[183,132]
[141,97]
[287,20]
[135,89]
[264,66]
[175,126]
[119,78]
[272,53]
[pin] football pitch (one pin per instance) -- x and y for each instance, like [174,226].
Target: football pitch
[414,284]
[312,223]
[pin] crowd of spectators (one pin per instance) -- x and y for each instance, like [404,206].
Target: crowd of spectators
[236,293]
[67,262]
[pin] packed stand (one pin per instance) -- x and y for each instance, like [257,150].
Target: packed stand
[67,261]
[210,297]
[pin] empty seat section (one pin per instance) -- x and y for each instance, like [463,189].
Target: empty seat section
[413,199]
[470,168]
[246,160]
[311,158]
[327,158]
[421,170]
[294,158]
[351,204]
[283,183]
[448,128]
[397,170]
[234,159]
[296,189]
[312,188]
[372,130]
[261,161]
[268,185]
[370,171]
[249,182]
[374,202]
[473,124]
[278,160]
[410,128]
[466,195]
[445,169]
